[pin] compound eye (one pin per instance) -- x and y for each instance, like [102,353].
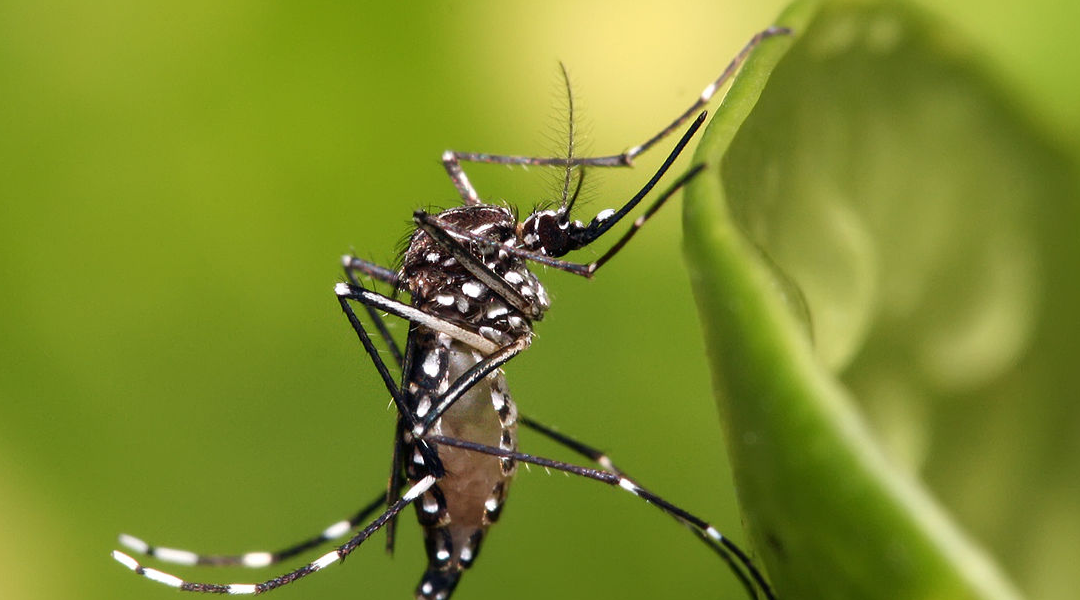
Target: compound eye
[545,232]
[552,232]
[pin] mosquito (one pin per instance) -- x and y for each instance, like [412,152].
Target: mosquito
[473,303]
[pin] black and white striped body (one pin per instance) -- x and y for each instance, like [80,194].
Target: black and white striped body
[456,512]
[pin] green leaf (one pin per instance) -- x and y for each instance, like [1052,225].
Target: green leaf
[870,255]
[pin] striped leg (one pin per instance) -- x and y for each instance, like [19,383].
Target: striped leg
[601,458]
[251,559]
[496,355]
[452,159]
[354,265]
[706,532]
[325,560]
[597,456]
[346,291]
[394,484]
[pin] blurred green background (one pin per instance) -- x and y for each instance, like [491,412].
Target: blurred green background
[179,182]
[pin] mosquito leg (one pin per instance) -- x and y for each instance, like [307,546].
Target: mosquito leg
[325,560]
[719,543]
[394,483]
[346,292]
[597,456]
[360,294]
[706,94]
[354,265]
[372,351]
[601,458]
[251,559]
[452,159]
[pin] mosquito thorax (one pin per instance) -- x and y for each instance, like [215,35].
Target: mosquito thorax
[439,284]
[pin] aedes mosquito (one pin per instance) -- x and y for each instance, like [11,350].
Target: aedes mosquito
[473,304]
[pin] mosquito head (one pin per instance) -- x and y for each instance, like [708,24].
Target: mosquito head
[550,232]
